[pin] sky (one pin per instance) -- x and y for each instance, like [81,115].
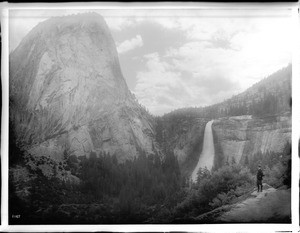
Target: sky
[186,58]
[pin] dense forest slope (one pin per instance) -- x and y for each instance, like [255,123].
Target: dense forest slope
[270,96]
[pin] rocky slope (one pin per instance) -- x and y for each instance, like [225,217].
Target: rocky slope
[68,95]
[269,206]
[238,137]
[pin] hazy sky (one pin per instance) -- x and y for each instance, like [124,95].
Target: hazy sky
[175,58]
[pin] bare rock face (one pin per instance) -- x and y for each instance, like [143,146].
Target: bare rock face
[245,136]
[67,92]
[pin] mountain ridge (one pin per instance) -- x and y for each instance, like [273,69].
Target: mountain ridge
[284,73]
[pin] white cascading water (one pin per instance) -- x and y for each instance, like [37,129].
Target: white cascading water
[207,155]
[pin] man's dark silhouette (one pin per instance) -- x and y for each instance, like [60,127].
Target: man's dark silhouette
[259,177]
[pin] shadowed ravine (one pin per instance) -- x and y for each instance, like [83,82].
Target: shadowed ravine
[206,157]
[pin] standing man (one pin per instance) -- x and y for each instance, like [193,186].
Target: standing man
[259,177]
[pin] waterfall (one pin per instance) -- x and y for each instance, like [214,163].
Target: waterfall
[206,157]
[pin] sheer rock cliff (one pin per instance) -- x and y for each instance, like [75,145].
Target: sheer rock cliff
[242,136]
[67,92]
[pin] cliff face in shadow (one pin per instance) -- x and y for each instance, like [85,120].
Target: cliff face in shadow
[183,135]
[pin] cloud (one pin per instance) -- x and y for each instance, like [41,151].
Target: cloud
[243,56]
[213,63]
[159,87]
[164,86]
[119,23]
[128,45]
